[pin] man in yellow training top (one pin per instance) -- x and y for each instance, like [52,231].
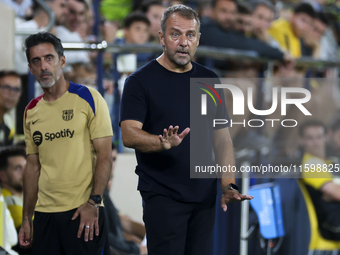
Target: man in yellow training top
[68,137]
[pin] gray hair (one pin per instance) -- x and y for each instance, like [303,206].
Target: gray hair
[182,10]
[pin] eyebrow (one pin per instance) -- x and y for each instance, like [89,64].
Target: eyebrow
[47,55]
[189,31]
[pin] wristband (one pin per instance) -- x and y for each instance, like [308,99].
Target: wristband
[230,186]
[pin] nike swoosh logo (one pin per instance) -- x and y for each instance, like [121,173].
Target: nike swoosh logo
[33,122]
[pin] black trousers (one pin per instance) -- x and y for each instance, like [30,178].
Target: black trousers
[178,228]
[56,234]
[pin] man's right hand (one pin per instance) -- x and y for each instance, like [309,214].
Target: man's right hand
[26,233]
[171,138]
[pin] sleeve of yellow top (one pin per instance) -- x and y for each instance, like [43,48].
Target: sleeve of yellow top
[100,122]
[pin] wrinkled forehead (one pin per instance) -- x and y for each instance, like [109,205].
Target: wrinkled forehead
[180,23]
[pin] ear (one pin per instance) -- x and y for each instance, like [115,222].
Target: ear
[161,38]
[63,61]
[29,66]
[198,39]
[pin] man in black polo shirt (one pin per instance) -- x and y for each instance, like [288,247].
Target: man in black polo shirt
[178,211]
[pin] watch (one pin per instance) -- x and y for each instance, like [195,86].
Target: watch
[96,198]
[230,186]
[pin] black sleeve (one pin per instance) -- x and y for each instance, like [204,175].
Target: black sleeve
[133,103]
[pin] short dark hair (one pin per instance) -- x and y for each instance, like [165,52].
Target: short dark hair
[305,8]
[146,5]
[43,37]
[183,11]
[12,151]
[135,17]
[311,123]
[5,73]
[242,8]
[214,2]
[323,18]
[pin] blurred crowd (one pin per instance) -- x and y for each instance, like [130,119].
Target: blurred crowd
[279,30]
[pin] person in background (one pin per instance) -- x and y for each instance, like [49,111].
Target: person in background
[288,33]
[218,32]
[12,165]
[262,18]
[243,21]
[317,176]
[10,91]
[153,10]
[79,65]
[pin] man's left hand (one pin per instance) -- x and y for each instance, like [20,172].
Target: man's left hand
[232,195]
[88,220]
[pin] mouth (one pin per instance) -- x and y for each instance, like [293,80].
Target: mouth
[44,76]
[182,53]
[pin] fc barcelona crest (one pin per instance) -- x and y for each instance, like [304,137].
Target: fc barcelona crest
[67,115]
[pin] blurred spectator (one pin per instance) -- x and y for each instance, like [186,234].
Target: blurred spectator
[262,18]
[85,29]
[136,31]
[40,20]
[154,10]
[22,8]
[77,10]
[288,33]
[224,13]
[124,235]
[12,165]
[10,91]
[243,21]
[328,44]
[78,62]
[316,174]
[312,40]
[136,28]
[218,32]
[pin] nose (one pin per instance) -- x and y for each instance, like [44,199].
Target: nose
[183,41]
[43,65]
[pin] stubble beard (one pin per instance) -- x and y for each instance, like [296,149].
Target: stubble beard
[49,84]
